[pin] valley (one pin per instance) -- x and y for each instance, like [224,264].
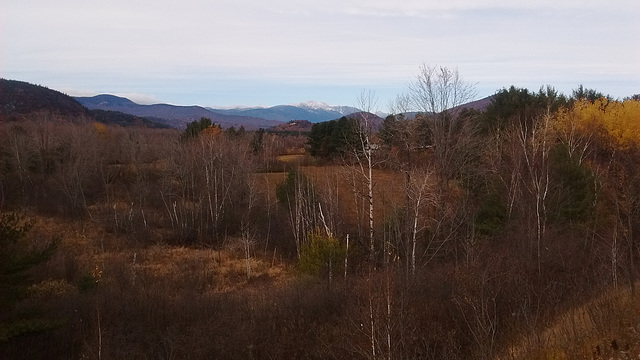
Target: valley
[505,230]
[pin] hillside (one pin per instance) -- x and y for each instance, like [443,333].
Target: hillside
[293,126]
[373,119]
[479,105]
[19,98]
[122,119]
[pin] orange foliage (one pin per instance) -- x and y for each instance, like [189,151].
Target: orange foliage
[212,131]
[100,128]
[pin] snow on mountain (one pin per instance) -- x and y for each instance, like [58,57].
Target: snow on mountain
[174,115]
[321,106]
[314,105]
[313,111]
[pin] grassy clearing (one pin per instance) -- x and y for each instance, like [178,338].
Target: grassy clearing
[87,251]
[346,184]
[292,158]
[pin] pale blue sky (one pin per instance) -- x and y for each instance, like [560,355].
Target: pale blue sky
[225,53]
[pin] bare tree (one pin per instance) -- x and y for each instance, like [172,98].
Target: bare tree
[419,193]
[367,101]
[17,144]
[211,173]
[438,93]
[504,158]
[246,230]
[302,205]
[536,148]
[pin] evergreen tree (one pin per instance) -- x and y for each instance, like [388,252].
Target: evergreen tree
[196,127]
[16,259]
[333,138]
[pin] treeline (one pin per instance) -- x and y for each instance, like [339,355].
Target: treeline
[449,234]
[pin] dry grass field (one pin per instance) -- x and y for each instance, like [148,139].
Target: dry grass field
[606,327]
[88,250]
[347,184]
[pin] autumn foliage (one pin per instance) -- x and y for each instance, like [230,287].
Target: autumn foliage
[505,233]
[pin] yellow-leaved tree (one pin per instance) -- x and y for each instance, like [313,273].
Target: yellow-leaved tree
[610,130]
[619,121]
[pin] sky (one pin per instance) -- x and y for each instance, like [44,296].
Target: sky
[269,52]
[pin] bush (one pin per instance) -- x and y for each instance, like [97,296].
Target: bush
[322,254]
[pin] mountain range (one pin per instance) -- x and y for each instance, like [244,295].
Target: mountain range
[312,111]
[176,116]
[18,98]
[250,118]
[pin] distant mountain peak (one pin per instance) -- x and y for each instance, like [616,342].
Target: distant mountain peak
[311,104]
[105,100]
[321,106]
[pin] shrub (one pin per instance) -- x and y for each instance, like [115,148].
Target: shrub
[322,254]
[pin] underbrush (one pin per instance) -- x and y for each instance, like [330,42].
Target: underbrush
[605,327]
[108,297]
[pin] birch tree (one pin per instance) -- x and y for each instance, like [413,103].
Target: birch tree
[419,191]
[363,154]
[301,201]
[536,147]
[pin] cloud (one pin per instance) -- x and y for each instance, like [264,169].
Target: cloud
[143,99]
[130,46]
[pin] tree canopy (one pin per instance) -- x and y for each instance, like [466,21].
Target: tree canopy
[196,127]
[519,105]
[332,138]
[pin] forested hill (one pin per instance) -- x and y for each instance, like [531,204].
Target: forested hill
[19,98]
[122,119]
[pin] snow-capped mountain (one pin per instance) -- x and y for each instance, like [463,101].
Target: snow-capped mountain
[320,106]
[313,111]
[176,116]
[249,117]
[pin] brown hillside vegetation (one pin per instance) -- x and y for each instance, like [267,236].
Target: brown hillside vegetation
[603,328]
[293,126]
[508,234]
